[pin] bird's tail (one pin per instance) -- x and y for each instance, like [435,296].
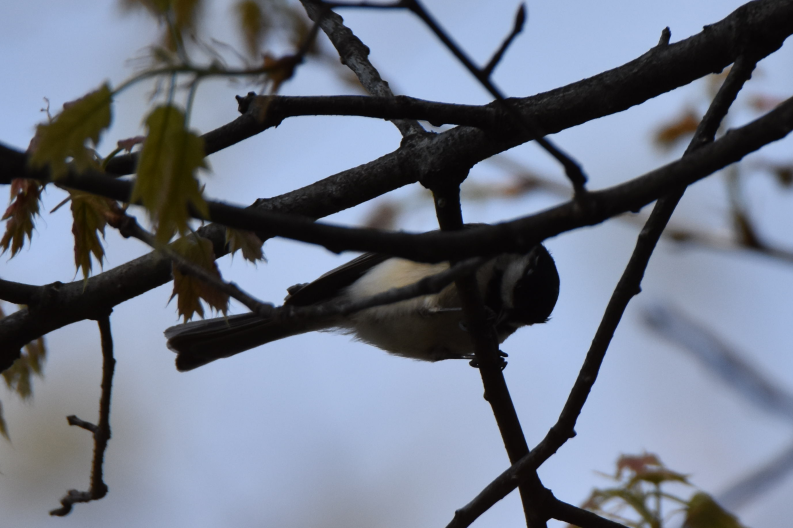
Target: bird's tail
[202,342]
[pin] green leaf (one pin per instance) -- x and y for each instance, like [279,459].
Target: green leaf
[89,214]
[25,198]
[66,135]
[247,241]
[190,290]
[18,375]
[252,23]
[166,183]
[704,512]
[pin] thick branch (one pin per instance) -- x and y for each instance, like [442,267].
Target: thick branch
[516,236]
[18,293]
[659,70]
[662,69]
[580,517]
[78,301]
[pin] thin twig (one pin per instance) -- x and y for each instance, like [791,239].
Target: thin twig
[101,430]
[488,358]
[133,229]
[629,284]
[627,287]
[767,22]
[572,169]
[516,236]
[354,54]
[426,286]
[580,517]
[520,19]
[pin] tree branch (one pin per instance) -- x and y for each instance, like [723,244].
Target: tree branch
[661,69]
[580,517]
[101,430]
[354,54]
[18,293]
[129,227]
[78,300]
[628,286]
[528,125]
[488,358]
[515,236]
[657,71]
[520,19]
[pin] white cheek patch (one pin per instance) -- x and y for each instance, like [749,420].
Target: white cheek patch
[512,275]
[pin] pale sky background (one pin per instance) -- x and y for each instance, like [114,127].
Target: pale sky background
[317,430]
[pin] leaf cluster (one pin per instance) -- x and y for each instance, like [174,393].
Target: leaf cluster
[640,494]
[18,377]
[19,217]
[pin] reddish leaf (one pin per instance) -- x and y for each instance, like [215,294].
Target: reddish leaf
[668,135]
[190,290]
[280,69]
[764,103]
[89,214]
[247,241]
[25,197]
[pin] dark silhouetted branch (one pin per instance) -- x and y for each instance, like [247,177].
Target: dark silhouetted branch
[18,293]
[354,54]
[628,286]
[657,71]
[488,358]
[528,124]
[580,517]
[85,299]
[520,19]
[101,430]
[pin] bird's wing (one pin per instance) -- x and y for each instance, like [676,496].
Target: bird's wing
[331,283]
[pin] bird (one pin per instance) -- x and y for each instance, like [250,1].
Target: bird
[517,290]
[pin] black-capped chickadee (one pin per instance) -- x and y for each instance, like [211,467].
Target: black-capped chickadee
[519,290]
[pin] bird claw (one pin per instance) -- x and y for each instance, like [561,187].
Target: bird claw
[502,364]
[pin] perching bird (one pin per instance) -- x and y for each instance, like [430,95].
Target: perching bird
[518,289]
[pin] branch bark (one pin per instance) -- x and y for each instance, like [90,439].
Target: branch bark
[764,22]
[100,431]
[78,300]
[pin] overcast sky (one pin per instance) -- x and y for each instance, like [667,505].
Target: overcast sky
[318,430]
